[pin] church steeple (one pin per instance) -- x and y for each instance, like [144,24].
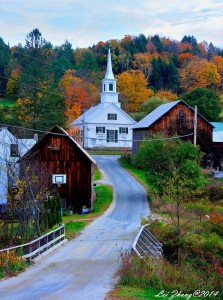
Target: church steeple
[109,73]
[109,94]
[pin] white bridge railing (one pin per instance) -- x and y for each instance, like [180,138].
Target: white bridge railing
[38,246]
[145,243]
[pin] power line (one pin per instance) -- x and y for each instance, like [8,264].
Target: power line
[34,87]
[61,134]
[39,60]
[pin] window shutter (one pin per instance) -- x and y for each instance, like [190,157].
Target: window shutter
[96,129]
[126,130]
[116,136]
[103,129]
[108,116]
[120,130]
[107,136]
[115,116]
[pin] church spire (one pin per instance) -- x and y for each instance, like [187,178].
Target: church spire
[109,94]
[109,73]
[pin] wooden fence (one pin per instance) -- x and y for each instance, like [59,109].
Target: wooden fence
[38,246]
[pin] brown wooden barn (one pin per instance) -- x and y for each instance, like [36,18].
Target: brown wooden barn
[59,154]
[174,118]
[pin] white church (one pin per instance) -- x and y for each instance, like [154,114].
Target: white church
[106,125]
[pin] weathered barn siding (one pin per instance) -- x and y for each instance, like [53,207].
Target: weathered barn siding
[179,120]
[59,154]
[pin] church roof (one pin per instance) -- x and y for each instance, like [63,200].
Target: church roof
[90,115]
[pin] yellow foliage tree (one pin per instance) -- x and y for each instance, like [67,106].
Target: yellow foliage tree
[133,85]
[200,73]
[167,94]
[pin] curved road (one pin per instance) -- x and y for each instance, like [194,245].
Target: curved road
[84,267]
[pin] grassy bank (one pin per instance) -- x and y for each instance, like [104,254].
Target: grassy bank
[193,261]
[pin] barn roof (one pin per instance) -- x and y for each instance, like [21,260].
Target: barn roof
[159,112]
[56,129]
[217,132]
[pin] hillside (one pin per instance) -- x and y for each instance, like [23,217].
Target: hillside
[52,84]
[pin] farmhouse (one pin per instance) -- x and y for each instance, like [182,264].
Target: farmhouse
[67,168]
[174,118]
[11,149]
[106,125]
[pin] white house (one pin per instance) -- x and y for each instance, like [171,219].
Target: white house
[106,125]
[11,149]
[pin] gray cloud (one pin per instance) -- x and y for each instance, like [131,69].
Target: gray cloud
[86,22]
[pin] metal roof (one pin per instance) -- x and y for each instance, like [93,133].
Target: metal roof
[217,132]
[161,110]
[155,115]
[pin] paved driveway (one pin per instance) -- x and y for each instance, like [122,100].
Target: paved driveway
[84,267]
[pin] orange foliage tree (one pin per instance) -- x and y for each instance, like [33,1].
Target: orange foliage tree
[12,84]
[167,94]
[133,85]
[78,94]
[200,73]
[218,61]
[184,58]
[142,62]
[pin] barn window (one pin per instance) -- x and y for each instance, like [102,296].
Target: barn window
[14,150]
[56,144]
[181,118]
[112,116]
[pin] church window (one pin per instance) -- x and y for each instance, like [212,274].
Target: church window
[112,136]
[110,87]
[112,116]
[123,130]
[100,129]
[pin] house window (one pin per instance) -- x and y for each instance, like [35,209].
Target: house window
[123,130]
[104,88]
[112,136]
[14,150]
[181,118]
[112,116]
[100,129]
[110,87]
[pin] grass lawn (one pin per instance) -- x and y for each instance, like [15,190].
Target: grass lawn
[139,175]
[7,102]
[135,293]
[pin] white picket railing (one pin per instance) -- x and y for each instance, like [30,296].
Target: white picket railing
[38,246]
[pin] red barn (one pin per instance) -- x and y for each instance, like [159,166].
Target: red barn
[60,155]
[174,118]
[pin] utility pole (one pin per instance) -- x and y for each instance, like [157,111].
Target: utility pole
[195,125]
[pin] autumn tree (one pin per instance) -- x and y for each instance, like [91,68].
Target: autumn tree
[79,94]
[170,96]
[142,62]
[12,86]
[207,102]
[200,73]
[133,85]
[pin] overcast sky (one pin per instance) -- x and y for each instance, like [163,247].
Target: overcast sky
[85,22]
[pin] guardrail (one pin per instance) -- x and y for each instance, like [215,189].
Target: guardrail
[38,246]
[145,243]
